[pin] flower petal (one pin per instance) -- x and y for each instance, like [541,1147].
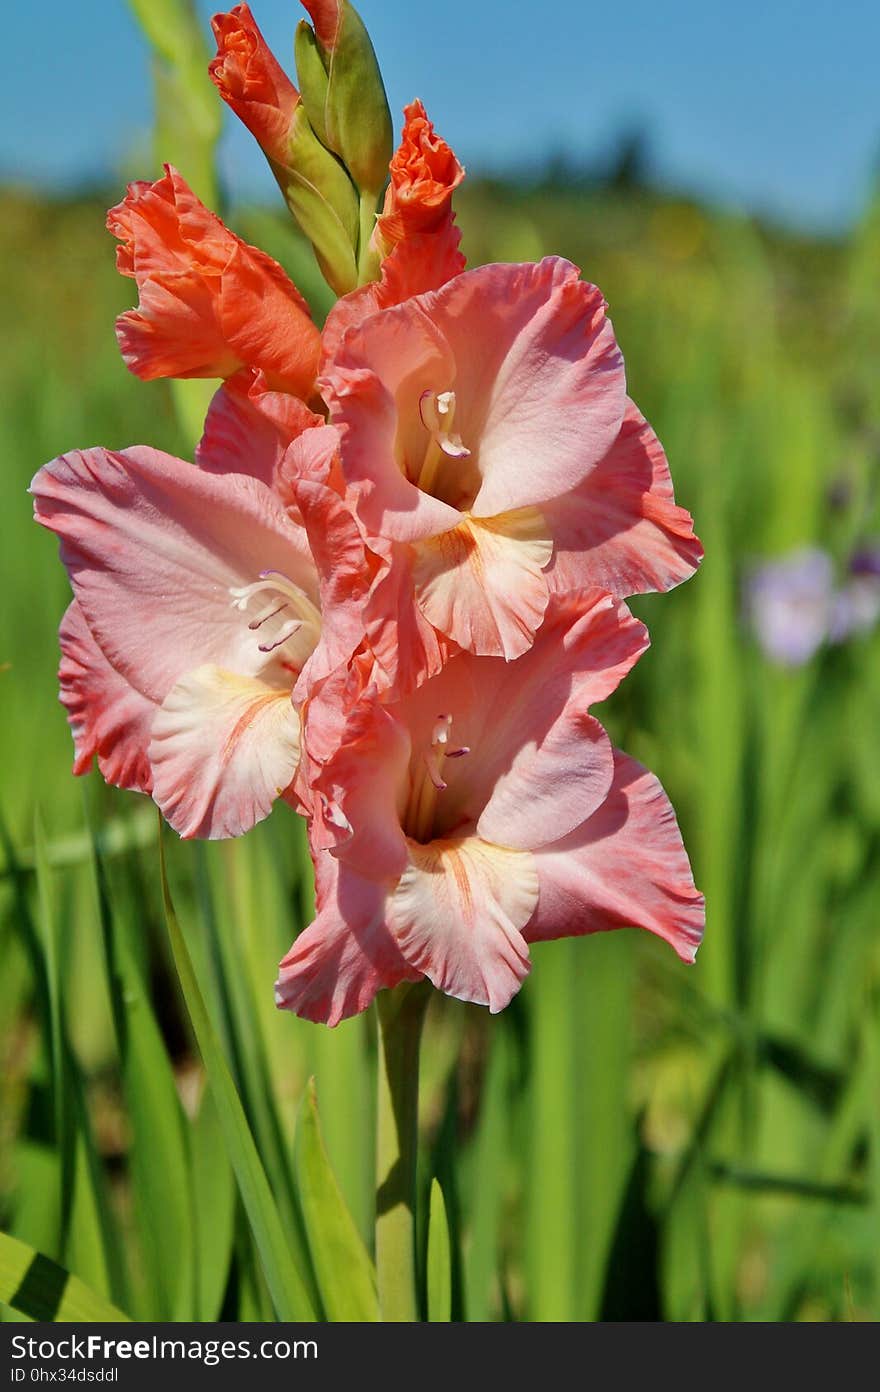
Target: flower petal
[359,755]
[252,82]
[343,572]
[223,748]
[539,382]
[457,914]
[153,547]
[248,427]
[407,648]
[424,174]
[626,866]
[538,763]
[339,962]
[376,380]
[108,718]
[620,528]
[423,262]
[482,583]
[209,303]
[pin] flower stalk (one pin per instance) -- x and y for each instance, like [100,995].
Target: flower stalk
[401,1017]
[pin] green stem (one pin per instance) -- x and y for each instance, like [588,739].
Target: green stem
[368,260]
[401,1015]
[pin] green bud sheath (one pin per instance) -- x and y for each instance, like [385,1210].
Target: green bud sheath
[324,202]
[357,120]
[311,75]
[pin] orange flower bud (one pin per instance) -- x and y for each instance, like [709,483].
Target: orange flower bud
[424,175]
[252,82]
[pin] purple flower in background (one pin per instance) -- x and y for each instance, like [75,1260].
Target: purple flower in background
[793,605]
[866,561]
[857,603]
[788,605]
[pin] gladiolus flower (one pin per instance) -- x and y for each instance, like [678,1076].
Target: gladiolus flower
[209,303]
[416,237]
[485,428]
[424,175]
[197,608]
[484,812]
[252,82]
[249,427]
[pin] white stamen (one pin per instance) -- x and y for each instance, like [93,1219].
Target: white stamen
[437,412]
[268,613]
[298,613]
[286,631]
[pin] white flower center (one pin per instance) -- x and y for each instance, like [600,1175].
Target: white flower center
[286,621]
[427,782]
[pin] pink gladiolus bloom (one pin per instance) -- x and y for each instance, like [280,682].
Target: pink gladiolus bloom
[197,608]
[485,430]
[485,811]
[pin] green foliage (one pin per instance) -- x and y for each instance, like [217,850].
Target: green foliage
[345,1274]
[631,1139]
[40,1289]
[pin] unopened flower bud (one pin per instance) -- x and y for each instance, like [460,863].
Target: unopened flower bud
[252,82]
[315,185]
[353,119]
[323,200]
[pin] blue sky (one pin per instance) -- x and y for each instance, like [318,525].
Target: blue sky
[767,104]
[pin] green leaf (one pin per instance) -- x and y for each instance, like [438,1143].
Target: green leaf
[39,1288]
[214,1201]
[159,1157]
[65,1130]
[439,1259]
[285,1282]
[346,1277]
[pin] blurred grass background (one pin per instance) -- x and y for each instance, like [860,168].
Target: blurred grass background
[630,1139]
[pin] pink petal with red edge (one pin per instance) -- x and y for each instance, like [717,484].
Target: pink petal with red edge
[108,718]
[407,648]
[626,866]
[154,547]
[457,914]
[620,528]
[223,748]
[339,962]
[248,427]
[340,558]
[362,778]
